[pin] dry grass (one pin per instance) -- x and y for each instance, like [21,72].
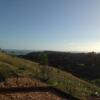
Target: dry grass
[57,78]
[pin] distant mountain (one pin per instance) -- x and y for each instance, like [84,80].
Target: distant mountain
[17,52]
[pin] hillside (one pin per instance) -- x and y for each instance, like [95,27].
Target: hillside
[79,64]
[66,82]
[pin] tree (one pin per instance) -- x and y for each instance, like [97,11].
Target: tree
[45,69]
[43,58]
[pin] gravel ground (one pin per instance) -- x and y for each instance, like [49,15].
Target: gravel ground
[30,96]
[26,82]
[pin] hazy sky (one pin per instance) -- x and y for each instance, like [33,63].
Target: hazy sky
[69,25]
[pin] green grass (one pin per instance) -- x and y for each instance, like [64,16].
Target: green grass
[12,66]
[96,82]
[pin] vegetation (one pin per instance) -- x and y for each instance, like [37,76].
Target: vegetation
[79,64]
[56,77]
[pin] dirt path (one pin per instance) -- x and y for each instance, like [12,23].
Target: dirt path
[44,93]
[25,88]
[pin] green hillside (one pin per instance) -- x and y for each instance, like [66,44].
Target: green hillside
[13,66]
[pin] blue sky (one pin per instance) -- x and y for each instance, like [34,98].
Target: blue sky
[62,25]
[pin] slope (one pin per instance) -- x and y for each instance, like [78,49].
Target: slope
[13,66]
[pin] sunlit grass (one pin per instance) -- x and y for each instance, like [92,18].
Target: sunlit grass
[64,81]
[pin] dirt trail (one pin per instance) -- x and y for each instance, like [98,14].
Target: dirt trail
[28,89]
[52,92]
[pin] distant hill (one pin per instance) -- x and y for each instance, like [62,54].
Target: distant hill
[64,81]
[79,64]
[17,52]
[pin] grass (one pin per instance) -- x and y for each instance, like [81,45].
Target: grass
[13,66]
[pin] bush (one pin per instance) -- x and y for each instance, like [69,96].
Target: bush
[2,77]
[95,94]
[6,71]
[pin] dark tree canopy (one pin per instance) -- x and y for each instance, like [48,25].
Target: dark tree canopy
[84,65]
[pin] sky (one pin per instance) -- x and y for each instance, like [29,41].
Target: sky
[62,25]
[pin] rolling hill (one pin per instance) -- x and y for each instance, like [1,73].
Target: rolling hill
[79,64]
[12,66]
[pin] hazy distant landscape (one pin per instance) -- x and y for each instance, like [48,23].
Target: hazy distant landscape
[17,52]
[73,81]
